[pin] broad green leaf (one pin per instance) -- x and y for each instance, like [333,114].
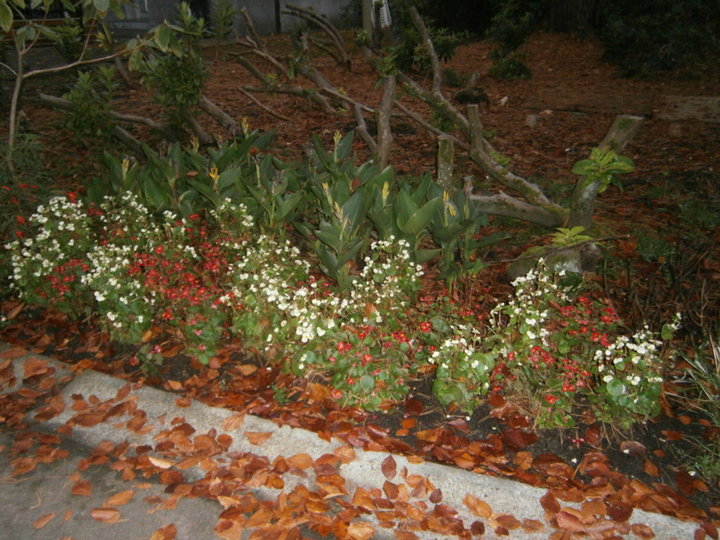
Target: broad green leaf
[404,207]
[420,219]
[615,388]
[423,255]
[329,235]
[367,382]
[354,210]
[162,37]
[6,17]
[584,167]
[101,5]
[288,205]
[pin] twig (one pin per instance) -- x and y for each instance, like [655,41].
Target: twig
[556,250]
[225,120]
[263,107]
[362,129]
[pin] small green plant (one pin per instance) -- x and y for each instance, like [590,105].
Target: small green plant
[603,167]
[23,188]
[509,66]
[91,96]
[172,67]
[702,394]
[222,19]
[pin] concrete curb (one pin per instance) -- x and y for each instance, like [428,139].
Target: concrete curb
[365,470]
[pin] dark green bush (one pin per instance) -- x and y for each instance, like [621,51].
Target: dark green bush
[641,38]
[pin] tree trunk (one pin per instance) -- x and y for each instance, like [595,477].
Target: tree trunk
[571,15]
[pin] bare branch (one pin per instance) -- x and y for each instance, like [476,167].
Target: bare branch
[306,93]
[384,136]
[340,55]
[362,129]
[263,107]
[429,127]
[429,48]
[225,120]
[203,136]
[343,97]
[67,105]
[502,204]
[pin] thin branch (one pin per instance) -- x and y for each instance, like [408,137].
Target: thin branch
[340,55]
[225,120]
[247,64]
[305,93]
[67,105]
[556,250]
[362,129]
[415,117]
[502,204]
[429,48]
[343,97]
[203,136]
[264,107]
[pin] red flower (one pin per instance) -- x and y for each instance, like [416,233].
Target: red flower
[551,399]
[426,326]
[337,394]
[344,346]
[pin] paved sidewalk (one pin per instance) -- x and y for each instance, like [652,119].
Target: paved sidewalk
[75,498]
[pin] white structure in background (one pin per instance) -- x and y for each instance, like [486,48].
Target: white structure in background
[381,10]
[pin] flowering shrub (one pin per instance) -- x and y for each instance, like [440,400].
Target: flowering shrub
[205,280]
[552,352]
[48,264]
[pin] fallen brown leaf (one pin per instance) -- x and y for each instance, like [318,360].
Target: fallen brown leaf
[168,532]
[119,499]
[389,467]
[81,487]
[300,461]
[360,531]
[34,366]
[477,506]
[40,522]
[231,423]
[258,438]
[651,469]
[246,369]
[106,515]
[160,463]
[633,448]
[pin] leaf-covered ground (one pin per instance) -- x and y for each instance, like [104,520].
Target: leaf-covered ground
[662,258]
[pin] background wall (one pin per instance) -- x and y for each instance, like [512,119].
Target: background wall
[145,14]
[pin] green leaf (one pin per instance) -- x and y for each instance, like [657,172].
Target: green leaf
[162,37]
[354,210]
[6,17]
[367,382]
[329,235]
[101,5]
[584,167]
[422,255]
[288,205]
[615,388]
[667,331]
[420,219]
